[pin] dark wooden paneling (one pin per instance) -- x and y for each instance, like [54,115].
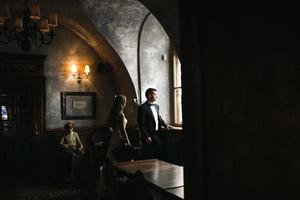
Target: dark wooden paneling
[241,100]
[173,146]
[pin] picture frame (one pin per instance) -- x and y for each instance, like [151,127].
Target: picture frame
[78,105]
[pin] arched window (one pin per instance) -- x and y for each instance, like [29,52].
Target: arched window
[177,90]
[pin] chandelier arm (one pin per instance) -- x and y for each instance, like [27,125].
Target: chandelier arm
[16,34]
[38,43]
[33,31]
[42,38]
[47,38]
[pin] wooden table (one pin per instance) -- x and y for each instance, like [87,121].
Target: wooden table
[159,174]
[178,192]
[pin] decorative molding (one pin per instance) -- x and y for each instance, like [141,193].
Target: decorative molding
[22,64]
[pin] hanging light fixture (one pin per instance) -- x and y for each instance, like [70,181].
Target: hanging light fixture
[28,29]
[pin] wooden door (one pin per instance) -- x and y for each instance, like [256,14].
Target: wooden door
[21,123]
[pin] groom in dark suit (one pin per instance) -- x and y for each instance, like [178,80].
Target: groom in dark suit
[150,124]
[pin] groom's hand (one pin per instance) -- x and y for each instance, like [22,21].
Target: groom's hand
[170,127]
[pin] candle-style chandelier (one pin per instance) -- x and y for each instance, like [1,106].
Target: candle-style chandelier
[28,29]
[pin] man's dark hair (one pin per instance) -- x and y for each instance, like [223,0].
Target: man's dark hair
[149,91]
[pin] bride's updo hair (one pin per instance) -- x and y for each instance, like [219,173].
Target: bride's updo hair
[120,102]
[117,108]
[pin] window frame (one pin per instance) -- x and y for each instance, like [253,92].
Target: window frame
[173,88]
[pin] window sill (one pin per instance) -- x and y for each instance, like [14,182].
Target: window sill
[177,127]
[174,131]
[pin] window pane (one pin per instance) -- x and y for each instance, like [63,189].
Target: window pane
[178,106]
[4,113]
[177,72]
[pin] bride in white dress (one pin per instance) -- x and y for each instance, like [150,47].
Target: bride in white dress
[107,185]
[117,126]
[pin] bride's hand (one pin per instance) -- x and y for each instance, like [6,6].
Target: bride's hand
[148,140]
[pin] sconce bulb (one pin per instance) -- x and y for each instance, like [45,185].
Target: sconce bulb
[73,69]
[87,70]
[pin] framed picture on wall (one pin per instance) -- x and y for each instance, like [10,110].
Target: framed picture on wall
[78,105]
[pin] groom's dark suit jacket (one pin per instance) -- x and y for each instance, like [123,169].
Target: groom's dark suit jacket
[146,120]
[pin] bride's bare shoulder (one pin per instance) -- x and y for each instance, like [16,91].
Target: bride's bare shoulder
[122,115]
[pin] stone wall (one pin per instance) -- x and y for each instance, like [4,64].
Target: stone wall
[79,36]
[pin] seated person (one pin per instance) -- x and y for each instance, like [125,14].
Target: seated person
[72,149]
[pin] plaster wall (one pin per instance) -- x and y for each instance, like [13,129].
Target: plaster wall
[155,64]
[59,78]
[119,22]
[66,49]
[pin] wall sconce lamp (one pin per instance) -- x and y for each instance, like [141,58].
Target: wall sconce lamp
[77,75]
